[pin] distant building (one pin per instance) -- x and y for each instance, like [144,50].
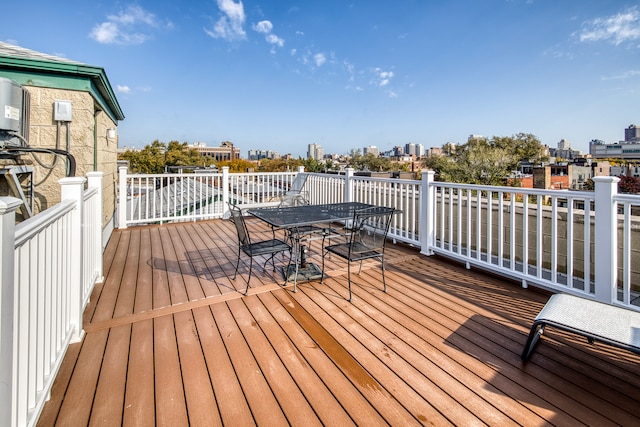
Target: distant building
[601,168]
[262,154]
[632,134]
[372,149]
[551,177]
[226,152]
[628,170]
[434,151]
[474,137]
[627,149]
[415,150]
[564,151]
[315,151]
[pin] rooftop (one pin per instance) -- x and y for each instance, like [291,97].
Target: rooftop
[170,339]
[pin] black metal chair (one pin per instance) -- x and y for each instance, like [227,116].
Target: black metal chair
[369,229]
[300,198]
[268,247]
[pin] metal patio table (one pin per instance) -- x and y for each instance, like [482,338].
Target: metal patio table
[295,217]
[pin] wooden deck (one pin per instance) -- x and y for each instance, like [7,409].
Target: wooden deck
[171,341]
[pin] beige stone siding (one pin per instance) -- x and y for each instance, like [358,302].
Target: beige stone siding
[44,132]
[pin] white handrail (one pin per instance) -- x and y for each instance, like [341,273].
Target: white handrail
[49,265]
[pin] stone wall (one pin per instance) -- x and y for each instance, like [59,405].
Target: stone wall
[92,151]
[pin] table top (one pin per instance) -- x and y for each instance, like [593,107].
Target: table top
[296,216]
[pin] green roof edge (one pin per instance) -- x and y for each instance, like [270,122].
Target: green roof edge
[96,75]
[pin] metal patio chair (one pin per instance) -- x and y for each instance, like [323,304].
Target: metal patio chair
[269,247]
[369,229]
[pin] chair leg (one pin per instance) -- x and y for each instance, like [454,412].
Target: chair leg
[349,279]
[237,265]
[323,255]
[246,291]
[532,340]
[384,282]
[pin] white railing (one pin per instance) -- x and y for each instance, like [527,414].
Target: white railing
[160,198]
[404,195]
[542,237]
[561,240]
[627,247]
[49,265]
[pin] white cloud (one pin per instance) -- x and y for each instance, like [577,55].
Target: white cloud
[319,59]
[624,76]
[131,26]
[229,26]
[123,89]
[263,27]
[273,39]
[382,78]
[266,27]
[617,29]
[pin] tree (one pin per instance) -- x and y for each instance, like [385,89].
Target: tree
[629,184]
[179,154]
[236,165]
[279,165]
[148,160]
[312,165]
[589,185]
[369,162]
[524,146]
[486,162]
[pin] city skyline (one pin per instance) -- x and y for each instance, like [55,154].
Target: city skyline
[285,75]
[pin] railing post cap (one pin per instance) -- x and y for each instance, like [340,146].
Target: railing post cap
[95,174]
[608,179]
[70,180]
[8,204]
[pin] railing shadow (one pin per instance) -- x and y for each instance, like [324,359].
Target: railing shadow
[575,381]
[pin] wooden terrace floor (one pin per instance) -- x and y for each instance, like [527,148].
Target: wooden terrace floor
[171,341]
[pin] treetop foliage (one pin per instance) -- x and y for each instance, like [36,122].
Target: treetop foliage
[486,161]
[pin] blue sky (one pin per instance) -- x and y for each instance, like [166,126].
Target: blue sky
[348,74]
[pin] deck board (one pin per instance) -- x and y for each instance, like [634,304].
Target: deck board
[170,340]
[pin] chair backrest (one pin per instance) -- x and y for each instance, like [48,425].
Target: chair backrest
[370,228]
[294,198]
[299,182]
[241,226]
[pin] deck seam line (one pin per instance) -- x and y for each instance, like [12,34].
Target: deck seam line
[203,302]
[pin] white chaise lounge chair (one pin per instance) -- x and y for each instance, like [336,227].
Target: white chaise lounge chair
[610,324]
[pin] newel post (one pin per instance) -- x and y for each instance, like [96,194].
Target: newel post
[72,188]
[122,197]
[94,180]
[225,192]
[606,238]
[426,217]
[8,387]
[348,184]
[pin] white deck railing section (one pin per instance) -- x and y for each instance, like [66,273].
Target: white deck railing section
[49,265]
[584,243]
[160,198]
[542,237]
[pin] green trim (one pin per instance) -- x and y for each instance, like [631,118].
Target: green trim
[63,75]
[95,142]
